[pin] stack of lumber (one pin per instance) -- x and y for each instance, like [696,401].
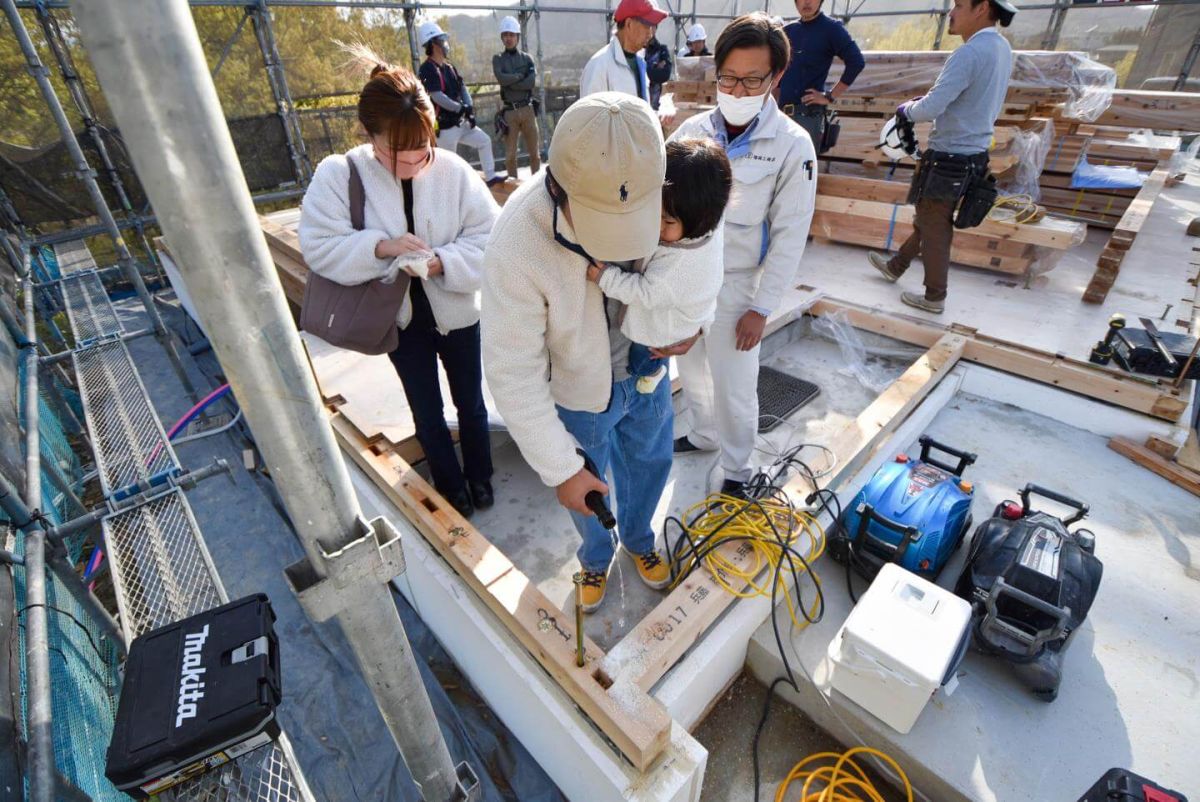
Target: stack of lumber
[873,213]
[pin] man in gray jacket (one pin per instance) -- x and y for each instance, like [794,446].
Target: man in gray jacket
[517,75]
[963,105]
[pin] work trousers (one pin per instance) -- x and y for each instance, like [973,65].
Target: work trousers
[720,383]
[521,122]
[416,361]
[933,232]
[634,436]
[449,138]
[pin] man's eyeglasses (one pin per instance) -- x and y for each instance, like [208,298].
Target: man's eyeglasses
[752,82]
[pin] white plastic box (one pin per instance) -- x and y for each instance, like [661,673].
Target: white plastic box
[898,646]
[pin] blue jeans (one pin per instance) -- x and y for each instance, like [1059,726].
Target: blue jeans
[641,363]
[635,435]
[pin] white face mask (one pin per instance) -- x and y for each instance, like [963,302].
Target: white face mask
[740,110]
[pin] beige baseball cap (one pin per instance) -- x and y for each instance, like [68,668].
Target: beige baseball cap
[607,153]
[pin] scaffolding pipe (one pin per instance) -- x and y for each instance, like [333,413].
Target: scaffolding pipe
[35,67]
[205,208]
[39,719]
[1189,61]
[941,25]
[1058,15]
[66,68]
[264,32]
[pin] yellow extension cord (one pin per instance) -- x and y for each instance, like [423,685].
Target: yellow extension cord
[843,780]
[752,522]
[1016,209]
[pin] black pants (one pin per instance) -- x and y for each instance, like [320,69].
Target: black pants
[416,362]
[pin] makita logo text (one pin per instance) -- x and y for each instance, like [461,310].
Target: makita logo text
[191,689]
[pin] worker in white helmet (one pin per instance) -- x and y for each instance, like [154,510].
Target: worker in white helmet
[517,75]
[448,91]
[697,42]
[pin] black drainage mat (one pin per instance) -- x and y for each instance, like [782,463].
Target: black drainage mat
[779,395]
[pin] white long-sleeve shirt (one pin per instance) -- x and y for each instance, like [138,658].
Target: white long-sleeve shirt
[453,212]
[774,195]
[675,295]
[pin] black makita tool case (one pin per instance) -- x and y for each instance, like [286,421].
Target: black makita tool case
[197,693]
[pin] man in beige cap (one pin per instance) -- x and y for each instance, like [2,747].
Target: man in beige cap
[553,352]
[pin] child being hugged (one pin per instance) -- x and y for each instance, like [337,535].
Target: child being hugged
[675,295]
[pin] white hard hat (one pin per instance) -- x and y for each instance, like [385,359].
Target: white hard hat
[893,141]
[696,33]
[510,25]
[428,31]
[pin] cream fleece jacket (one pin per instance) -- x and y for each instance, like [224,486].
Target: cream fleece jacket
[453,212]
[545,334]
[675,296]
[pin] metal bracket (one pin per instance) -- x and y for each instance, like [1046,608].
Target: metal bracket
[467,788]
[375,556]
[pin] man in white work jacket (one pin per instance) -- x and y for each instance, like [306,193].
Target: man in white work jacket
[766,227]
[620,65]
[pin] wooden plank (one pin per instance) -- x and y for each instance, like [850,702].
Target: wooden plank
[1155,398]
[662,637]
[1171,471]
[636,723]
[1123,236]
[1189,455]
[1049,232]
[966,249]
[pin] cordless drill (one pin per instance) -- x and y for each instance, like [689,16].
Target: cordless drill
[594,500]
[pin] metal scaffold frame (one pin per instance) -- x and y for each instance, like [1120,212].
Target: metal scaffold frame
[258,12]
[161,568]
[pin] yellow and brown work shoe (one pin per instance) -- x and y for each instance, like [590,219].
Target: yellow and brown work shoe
[591,589]
[653,571]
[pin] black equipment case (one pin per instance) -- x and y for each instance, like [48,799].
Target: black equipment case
[1119,785]
[197,693]
[1147,350]
[1031,582]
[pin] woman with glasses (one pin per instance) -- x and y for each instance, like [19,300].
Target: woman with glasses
[427,215]
[766,228]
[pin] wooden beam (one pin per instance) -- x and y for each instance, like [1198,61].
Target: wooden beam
[637,724]
[1049,232]
[1151,397]
[1171,471]
[1123,236]
[662,637]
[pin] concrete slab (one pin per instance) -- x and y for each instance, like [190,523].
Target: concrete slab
[536,534]
[1130,691]
[1050,314]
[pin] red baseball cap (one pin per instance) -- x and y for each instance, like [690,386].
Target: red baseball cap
[641,9]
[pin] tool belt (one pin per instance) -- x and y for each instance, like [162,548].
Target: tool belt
[961,180]
[831,128]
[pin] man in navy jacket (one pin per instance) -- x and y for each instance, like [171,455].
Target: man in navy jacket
[815,41]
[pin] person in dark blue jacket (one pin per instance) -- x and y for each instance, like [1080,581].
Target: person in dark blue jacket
[816,40]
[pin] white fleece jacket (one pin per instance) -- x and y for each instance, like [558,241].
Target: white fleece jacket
[545,334]
[453,212]
[675,296]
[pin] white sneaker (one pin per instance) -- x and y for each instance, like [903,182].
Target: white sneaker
[881,263]
[648,384]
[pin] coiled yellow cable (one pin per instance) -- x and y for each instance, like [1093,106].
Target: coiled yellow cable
[1016,209]
[751,529]
[843,780]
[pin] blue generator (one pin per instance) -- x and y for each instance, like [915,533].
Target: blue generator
[913,512]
